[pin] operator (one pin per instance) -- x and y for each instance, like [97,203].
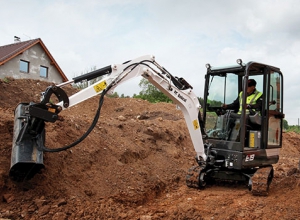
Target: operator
[253,101]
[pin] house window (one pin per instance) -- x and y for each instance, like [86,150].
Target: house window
[24,66]
[43,71]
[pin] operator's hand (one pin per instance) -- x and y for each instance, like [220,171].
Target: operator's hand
[224,106]
[249,106]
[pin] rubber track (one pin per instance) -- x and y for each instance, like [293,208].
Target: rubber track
[192,177]
[261,181]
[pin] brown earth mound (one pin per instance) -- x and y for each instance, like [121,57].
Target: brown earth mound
[131,166]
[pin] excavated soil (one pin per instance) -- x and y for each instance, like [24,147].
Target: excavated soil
[131,166]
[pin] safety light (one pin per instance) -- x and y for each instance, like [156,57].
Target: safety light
[207,66]
[239,61]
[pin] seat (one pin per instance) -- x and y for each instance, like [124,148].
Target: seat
[255,119]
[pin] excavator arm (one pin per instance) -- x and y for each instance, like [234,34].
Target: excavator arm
[30,118]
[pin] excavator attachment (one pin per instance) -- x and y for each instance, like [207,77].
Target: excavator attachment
[29,128]
[26,158]
[29,133]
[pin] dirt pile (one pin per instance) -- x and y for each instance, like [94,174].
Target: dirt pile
[131,166]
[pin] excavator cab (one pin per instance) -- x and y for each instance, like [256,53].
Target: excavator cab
[243,142]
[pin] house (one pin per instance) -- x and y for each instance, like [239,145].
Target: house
[29,59]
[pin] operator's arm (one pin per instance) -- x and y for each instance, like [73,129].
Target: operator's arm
[234,105]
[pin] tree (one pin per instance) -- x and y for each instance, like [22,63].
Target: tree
[151,93]
[285,124]
[114,95]
[201,101]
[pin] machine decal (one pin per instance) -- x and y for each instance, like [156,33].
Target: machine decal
[179,96]
[251,140]
[100,86]
[51,110]
[249,157]
[196,124]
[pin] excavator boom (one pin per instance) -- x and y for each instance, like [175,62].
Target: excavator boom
[29,130]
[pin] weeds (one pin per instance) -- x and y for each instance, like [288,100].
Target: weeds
[6,80]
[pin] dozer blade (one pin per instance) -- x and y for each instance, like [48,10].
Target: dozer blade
[26,158]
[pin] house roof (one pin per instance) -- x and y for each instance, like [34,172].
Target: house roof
[8,52]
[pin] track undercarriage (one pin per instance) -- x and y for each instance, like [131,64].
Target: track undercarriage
[259,179]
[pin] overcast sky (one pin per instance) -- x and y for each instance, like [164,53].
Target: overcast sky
[183,35]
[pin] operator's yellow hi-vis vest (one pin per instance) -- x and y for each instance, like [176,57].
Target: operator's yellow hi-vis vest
[250,100]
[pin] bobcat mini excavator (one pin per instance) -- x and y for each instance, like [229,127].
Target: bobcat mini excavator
[228,146]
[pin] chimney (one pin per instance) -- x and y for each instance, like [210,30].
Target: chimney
[17,39]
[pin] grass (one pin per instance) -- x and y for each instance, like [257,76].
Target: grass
[294,128]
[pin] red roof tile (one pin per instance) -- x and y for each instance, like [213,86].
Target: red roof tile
[10,50]
[7,52]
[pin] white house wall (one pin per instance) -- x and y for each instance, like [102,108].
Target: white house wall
[36,56]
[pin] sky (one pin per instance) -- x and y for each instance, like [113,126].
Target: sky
[182,35]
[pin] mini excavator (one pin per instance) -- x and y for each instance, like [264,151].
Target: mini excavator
[229,146]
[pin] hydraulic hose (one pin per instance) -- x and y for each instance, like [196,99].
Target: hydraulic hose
[97,115]
[40,138]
